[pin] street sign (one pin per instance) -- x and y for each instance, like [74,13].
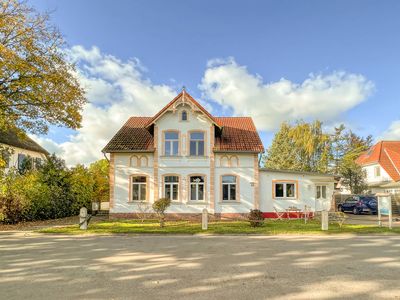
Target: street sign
[384,207]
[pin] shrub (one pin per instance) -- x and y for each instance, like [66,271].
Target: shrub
[255,218]
[160,206]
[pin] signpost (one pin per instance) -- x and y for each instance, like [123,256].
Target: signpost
[384,208]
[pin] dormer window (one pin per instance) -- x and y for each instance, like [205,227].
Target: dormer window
[184,116]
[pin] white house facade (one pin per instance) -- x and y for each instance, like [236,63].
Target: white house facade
[381,164]
[202,161]
[18,148]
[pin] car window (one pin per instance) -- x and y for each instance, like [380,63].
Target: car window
[350,200]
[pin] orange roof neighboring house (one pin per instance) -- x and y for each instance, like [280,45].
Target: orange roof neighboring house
[234,134]
[385,153]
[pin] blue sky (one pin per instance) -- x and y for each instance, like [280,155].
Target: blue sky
[260,40]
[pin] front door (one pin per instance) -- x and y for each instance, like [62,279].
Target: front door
[321,198]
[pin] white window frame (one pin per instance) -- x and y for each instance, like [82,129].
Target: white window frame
[321,188]
[197,184]
[285,183]
[139,185]
[229,188]
[171,143]
[171,187]
[197,142]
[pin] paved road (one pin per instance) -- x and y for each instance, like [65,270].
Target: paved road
[34,266]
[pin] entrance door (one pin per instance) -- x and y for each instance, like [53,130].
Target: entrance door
[321,198]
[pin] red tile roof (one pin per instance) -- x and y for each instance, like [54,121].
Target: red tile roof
[385,153]
[235,134]
[133,136]
[238,134]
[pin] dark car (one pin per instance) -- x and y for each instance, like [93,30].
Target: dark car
[359,204]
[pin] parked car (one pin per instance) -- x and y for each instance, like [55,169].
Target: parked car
[359,204]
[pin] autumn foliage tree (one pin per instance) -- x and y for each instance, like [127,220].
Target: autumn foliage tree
[38,87]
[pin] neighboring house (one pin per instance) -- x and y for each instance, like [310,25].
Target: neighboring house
[22,147]
[201,161]
[382,166]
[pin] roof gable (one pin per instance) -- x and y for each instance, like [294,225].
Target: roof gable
[186,98]
[232,134]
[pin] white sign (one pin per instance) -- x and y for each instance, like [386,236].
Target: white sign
[384,208]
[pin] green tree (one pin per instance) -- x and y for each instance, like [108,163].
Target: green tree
[99,171]
[281,153]
[81,188]
[55,175]
[37,83]
[346,148]
[301,146]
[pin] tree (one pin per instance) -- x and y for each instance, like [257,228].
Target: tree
[81,188]
[302,147]
[346,148]
[281,153]
[160,206]
[37,83]
[352,174]
[99,171]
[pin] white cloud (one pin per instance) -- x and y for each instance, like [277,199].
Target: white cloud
[116,90]
[322,97]
[392,133]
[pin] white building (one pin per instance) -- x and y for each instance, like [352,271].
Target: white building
[382,166]
[201,161]
[22,147]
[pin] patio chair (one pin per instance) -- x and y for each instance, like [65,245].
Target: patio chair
[279,214]
[293,209]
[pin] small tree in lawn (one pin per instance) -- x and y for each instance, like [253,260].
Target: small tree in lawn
[160,206]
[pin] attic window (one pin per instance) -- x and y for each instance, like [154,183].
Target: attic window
[184,116]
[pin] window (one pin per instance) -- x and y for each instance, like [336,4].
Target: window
[321,192]
[21,161]
[184,116]
[285,190]
[139,188]
[171,187]
[377,171]
[38,162]
[228,188]
[197,188]
[197,143]
[171,143]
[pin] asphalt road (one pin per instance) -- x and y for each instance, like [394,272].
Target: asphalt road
[34,266]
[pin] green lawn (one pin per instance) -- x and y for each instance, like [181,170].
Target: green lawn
[270,227]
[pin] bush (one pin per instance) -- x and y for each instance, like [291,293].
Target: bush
[160,206]
[52,191]
[256,218]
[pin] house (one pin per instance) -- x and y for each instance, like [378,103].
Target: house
[382,166]
[202,161]
[16,148]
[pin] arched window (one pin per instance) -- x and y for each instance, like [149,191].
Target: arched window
[171,187]
[184,115]
[196,188]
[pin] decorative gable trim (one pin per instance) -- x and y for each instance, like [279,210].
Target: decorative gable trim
[183,98]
